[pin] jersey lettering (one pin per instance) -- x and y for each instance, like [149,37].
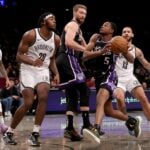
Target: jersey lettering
[125,64]
[42,56]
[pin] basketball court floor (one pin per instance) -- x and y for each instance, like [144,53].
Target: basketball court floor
[116,135]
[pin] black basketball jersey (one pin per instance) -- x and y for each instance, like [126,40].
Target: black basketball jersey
[64,48]
[101,65]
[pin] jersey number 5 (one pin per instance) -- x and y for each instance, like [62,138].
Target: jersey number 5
[106,60]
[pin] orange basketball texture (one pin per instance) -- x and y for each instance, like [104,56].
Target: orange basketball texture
[119,45]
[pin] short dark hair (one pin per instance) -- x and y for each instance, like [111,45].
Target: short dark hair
[77,6]
[114,27]
[41,18]
[131,28]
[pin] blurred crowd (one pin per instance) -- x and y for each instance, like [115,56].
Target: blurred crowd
[11,98]
[143,76]
[12,67]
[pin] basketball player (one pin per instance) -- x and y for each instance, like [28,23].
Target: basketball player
[3,72]
[36,53]
[72,77]
[126,79]
[105,81]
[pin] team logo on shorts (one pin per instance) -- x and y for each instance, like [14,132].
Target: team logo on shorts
[135,82]
[45,78]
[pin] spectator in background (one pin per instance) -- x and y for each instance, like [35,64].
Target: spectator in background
[8,95]
[147,80]
[140,73]
[3,72]
[11,71]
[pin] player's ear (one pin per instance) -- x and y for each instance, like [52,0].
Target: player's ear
[43,22]
[132,35]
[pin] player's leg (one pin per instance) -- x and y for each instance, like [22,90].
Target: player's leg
[119,95]
[72,103]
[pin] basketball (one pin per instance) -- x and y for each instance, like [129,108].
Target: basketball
[119,45]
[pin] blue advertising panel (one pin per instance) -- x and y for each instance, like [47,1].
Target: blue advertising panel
[57,101]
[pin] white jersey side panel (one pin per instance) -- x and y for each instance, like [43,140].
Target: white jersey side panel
[43,49]
[123,67]
[0,55]
[0,60]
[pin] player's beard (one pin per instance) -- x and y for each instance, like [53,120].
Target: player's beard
[129,39]
[52,28]
[80,21]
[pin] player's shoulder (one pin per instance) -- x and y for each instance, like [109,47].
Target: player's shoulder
[29,35]
[138,51]
[56,36]
[57,39]
[72,24]
[95,37]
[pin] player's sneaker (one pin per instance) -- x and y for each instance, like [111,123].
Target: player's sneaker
[134,126]
[92,134]
[8,138]
[72,134]
[33,139]
[91,126]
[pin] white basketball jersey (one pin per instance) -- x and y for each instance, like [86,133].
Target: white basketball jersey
[123,66]
[0,59]
[0,55]
[43,49]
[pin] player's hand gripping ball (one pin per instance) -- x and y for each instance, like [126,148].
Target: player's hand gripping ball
[119,45]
